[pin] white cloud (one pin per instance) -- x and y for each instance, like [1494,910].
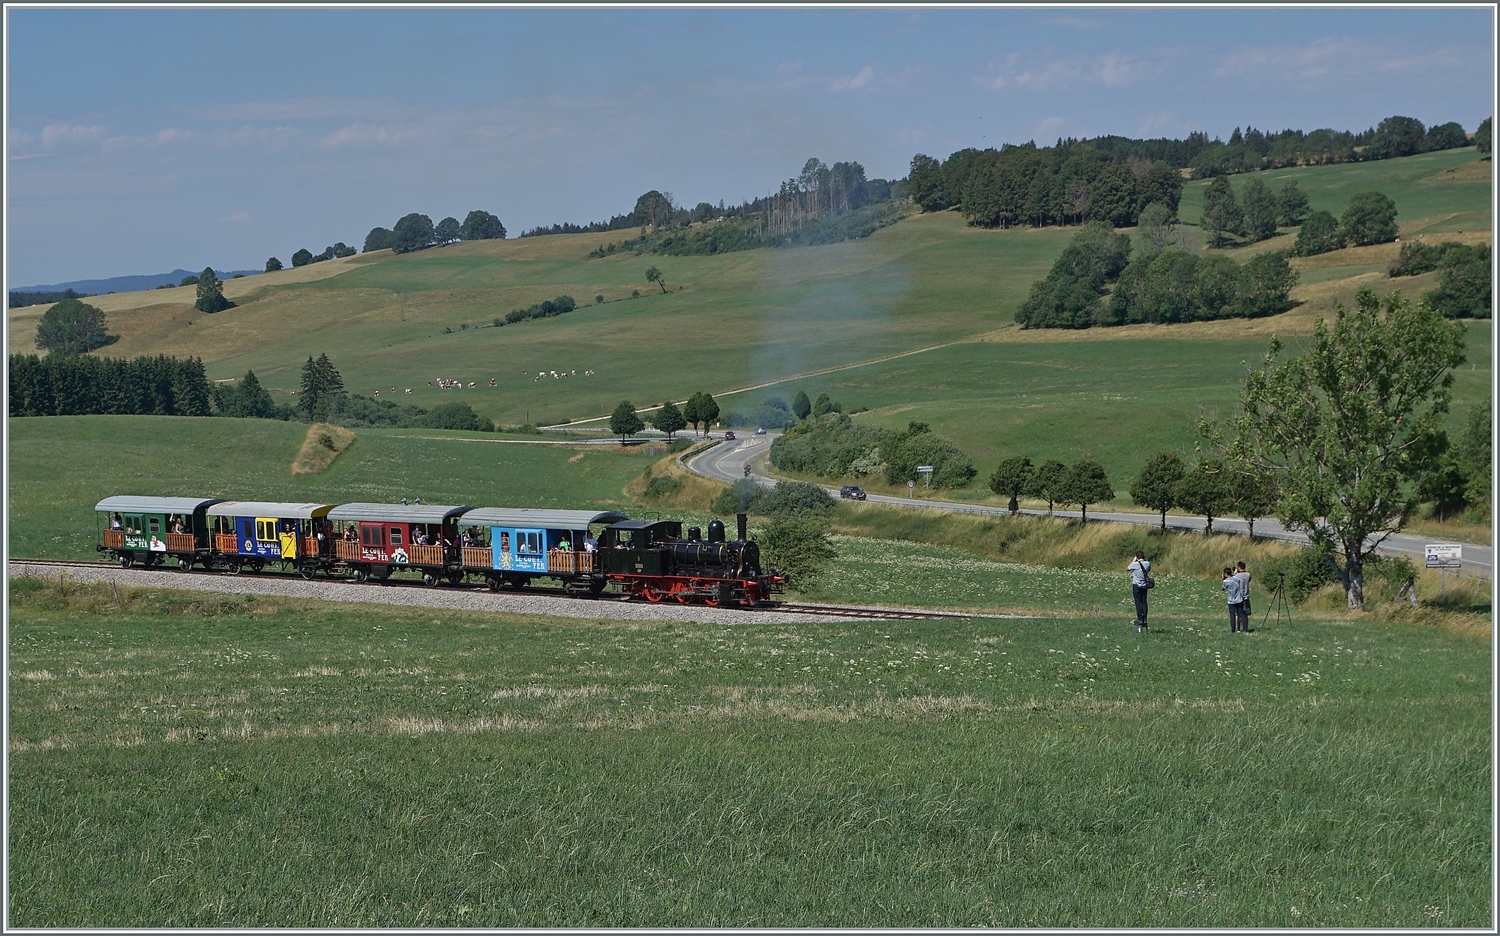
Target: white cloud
[239,217]
[1049,72]
[1332,56]
[862,78]
[53,134]
[361,133]
[173,135]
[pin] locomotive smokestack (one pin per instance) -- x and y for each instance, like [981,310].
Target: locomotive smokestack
[740,519]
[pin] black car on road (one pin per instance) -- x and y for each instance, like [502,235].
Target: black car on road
[851,492]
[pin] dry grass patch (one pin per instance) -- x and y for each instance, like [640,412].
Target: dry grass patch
[323,444]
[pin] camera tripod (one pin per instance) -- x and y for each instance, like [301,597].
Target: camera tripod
[1279,601]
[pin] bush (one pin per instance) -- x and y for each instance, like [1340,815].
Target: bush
[1464,287]
[1306,572]
[795,498]
[798,547]
[1416,258]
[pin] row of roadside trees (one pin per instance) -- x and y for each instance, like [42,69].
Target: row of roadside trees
[700,409]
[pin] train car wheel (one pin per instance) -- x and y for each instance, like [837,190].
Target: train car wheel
[257,564]
[184,563]
[308,571]
[126,560]
[361,575]
[492,582]
[234,568]
[429,578]
[455,577]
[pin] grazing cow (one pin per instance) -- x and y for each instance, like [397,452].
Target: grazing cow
[471,385]
[408,389]
[377,393]
[492,382]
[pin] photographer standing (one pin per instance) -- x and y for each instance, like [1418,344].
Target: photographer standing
[1244,578]
[1234,596]
[1140,582]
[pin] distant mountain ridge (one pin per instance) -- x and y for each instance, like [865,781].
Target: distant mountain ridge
[127,283]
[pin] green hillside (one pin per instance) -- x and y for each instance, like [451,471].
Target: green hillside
[793,317]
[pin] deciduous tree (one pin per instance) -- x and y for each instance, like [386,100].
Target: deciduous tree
[1086,484]
[801,405]
[302,257]
[1047,484]
[1012,479]
[413,232]
[379,238]
[446,232]
[1259,210]
[1291,204]
[1156,485]
[1369,219]
[1320,233]
[272,265]
[668,419]
[1341,426]
[72,327]
[1204,491]
[481,225]
[653,275]
[623,422]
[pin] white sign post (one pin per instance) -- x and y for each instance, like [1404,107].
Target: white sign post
[926,470]
[910,488]
[1444,556]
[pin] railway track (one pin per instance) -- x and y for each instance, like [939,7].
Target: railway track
[811,609]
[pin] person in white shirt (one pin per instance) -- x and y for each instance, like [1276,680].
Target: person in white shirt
[1140,571]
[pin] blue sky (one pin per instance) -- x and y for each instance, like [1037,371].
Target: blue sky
[139,141]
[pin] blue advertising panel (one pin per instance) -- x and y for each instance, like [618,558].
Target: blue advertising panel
[519,550]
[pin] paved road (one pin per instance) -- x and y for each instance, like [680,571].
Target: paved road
[727,460]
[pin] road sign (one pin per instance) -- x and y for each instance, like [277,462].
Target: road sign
[1445,556]
[926,469]
[911,484]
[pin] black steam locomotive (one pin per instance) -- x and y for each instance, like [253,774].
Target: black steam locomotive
[654,560]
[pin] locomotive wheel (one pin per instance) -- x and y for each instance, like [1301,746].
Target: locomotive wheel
[184,563]
[429,578]
[361,574]
[492,582]
[682,592]
[653,594]
[126,560]
[308,571]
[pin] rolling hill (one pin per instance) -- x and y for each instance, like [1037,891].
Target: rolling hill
[914,322]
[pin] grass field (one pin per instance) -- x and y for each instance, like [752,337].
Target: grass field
[181,760]
[61,466]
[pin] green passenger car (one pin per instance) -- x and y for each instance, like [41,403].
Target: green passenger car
[150,530]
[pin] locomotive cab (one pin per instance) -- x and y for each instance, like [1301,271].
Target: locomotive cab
[636,547]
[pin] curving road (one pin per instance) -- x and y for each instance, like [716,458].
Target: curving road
[726,461]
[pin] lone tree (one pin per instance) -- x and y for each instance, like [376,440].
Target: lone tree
[321,384]
[72,327]
[653,275]
[1156,485]
[379,238]
[1086,484]
[1047,483]
[1252,494]
[623,422]
[1342,427]
[668,419]
[210,293]
[272,265]
[700,408]
[1013,478]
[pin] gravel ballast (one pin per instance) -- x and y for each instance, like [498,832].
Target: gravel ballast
[458,598]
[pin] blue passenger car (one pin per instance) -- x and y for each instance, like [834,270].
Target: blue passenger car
[256,532]
[514,546]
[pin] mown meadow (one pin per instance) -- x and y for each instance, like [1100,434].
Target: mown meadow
[191,760]
[61,466]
